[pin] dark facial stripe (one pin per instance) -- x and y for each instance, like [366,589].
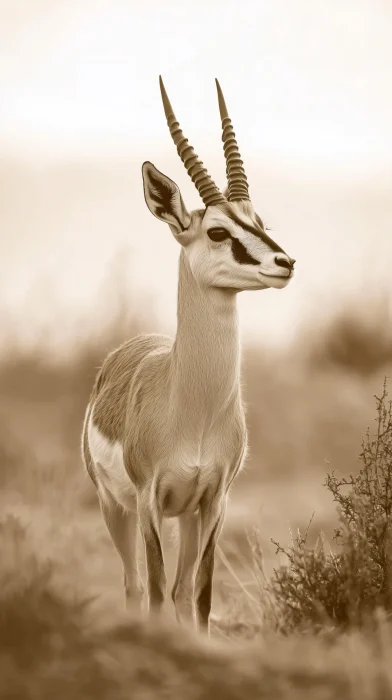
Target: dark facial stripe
[260,233]
[274,246]
[255,230]
[240,253]
[246,226]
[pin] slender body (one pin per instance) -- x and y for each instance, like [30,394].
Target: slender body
[165,432]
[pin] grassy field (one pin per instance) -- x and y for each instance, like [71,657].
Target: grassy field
[63,631]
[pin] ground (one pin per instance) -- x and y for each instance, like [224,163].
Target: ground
[56,553]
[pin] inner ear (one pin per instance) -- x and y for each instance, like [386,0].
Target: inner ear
[164,199]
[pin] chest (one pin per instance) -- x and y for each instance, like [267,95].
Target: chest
[212,443]
[194,467]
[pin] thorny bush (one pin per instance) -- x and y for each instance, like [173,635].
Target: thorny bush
[318,586]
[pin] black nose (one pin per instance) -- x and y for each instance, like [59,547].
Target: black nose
[283,260]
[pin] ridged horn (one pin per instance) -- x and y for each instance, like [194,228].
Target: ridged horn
[236,178]
[207,189]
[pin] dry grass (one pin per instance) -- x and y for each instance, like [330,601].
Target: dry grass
[57,643]
[63,632]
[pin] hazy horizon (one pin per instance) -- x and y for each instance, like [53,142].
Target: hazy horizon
[83,111]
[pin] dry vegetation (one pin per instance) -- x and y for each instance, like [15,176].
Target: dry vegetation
[310,624]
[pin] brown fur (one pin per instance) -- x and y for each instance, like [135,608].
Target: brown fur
[115,375]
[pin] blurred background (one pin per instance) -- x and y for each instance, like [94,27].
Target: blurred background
[85,265]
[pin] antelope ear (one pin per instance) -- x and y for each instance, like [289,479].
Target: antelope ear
[163,199]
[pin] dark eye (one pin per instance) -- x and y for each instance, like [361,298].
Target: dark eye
[218,234]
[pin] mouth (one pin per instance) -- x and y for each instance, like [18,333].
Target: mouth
[286,275]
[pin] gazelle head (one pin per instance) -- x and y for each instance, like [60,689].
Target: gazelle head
[225,243]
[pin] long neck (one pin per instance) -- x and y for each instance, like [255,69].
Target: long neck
[206,352]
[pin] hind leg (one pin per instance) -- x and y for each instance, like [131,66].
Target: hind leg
[122,526]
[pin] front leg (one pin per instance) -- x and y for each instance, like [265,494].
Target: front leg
[182,593]
[212,513]
[150,521]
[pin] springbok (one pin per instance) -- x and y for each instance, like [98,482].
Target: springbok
[165,432]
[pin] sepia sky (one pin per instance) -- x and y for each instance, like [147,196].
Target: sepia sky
[307,85]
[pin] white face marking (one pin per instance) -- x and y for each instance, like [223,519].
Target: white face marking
[109,466]
[220,264]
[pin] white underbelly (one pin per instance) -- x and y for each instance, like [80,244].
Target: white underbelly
[109,466]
